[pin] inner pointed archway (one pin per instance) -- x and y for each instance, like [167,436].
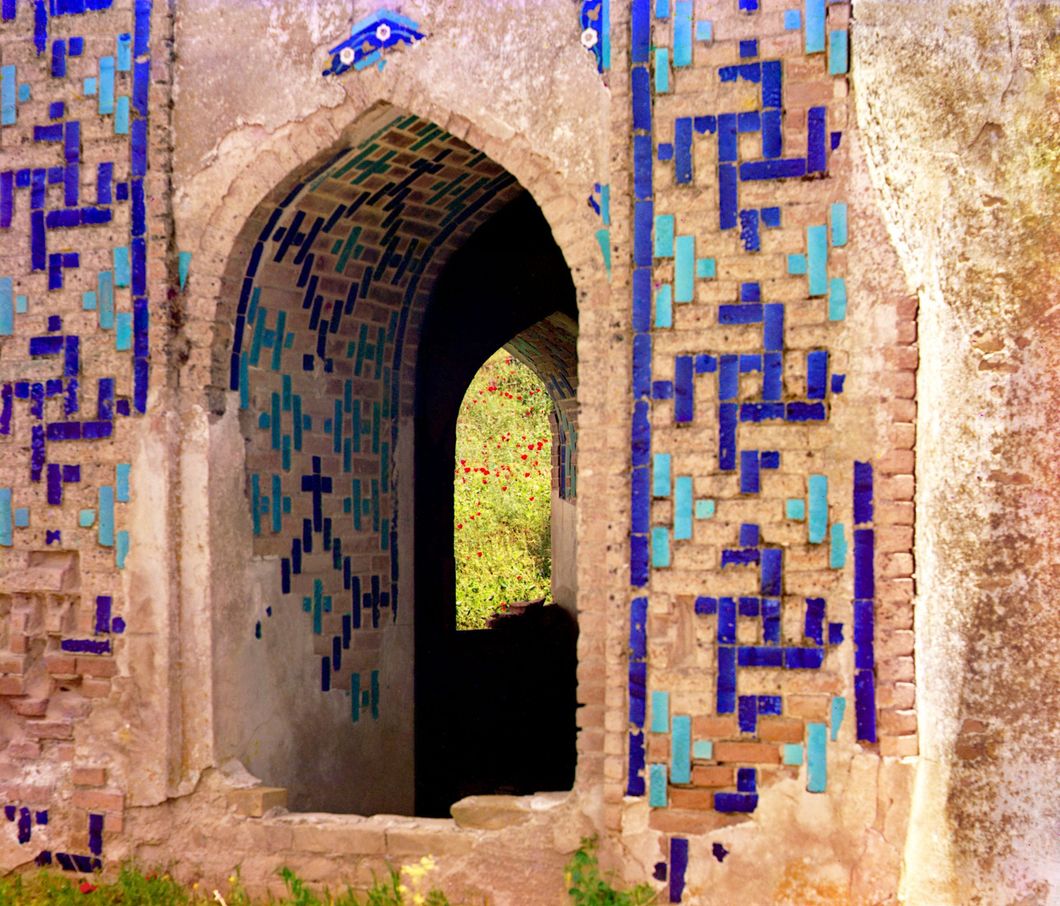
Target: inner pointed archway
[327,293]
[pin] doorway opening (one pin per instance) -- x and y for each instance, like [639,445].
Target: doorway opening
[503,720]
[502,490]
[362,295]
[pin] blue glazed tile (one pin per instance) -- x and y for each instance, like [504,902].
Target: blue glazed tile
[771,571]
[678,867]
[683,150]
[816,757]
[816,151]
[725,697]
[660,547]
[683,33]
[747,713]
[642,296]
[837,556]
[681,750]
[863,491]
[727,188]
[727,418]
[642,164]
[727,131]
[772,377]
[664,235]
[839,224]
[816,374]
[706,606]
[837,299]
[817,259]
[748,121]
[782,168]
[735,802]
[662,76]
[683,508]
[664,314]
[684,269]
[635,781]
[838,52]
[661,475]
[865,705]
[839,706]
[657,786]
[864,553]
[684,401]
[814,27]
[817,488]
[662,390]
[813,624]
[660,712]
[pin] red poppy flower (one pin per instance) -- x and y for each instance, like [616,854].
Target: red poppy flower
[86,887]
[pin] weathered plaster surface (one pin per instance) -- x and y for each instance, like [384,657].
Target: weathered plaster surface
[250,70]
[958,105]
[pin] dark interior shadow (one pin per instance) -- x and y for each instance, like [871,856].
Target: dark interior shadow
[495,709]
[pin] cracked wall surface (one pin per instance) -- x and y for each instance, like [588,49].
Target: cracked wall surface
[957,105]
[131,578]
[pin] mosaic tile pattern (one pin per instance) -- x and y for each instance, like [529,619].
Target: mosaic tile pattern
[74,329]
[323,361]
[596,31]
[720,757]
[369,38]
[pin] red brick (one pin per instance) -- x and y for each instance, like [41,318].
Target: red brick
[95,688]
[808,707]
[896,643]
[780,729]
[714,727]
[12,685]
[85,776]
[897,723]
[658,747]
[897,462]
[51,729]
[713,775]
[60,665]
[31,707]
[24,749]
[898,746]
[97,666]
[691,799]
[689,821]
[755,752]
[98,800]
[10,663]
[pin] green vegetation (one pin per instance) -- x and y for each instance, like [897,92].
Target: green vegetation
[503,485]
[408,886]
[587,887]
